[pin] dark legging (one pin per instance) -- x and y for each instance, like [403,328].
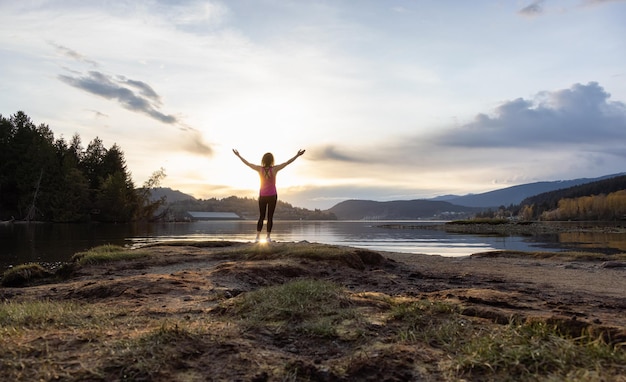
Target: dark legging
[266,204]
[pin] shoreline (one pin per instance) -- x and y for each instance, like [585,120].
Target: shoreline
[187,297]
[517,228]
[520,229]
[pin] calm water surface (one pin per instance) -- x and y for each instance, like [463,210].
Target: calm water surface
[40,242]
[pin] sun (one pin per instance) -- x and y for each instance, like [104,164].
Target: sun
[223,174]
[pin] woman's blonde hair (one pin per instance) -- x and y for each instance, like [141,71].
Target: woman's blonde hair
[268,160]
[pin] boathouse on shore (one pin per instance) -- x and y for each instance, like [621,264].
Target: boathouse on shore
[201,215]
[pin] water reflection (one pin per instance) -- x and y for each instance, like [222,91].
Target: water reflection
[23,242]
[596,240]
[58,242]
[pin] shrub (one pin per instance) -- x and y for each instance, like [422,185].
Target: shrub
[23,274]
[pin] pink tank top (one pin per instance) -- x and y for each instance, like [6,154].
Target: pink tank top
[268,182]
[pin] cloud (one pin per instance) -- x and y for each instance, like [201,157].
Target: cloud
[194,143]
[555,134]
[98,114]
[145,90]
[133,95]
[67,52]
[108,87]
[536,8]
[600,2]
[581,115]
[331,152]
[533,9]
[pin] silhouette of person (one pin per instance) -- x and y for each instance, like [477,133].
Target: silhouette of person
[268,195]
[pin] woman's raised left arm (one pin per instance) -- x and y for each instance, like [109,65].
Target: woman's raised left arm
[283,165]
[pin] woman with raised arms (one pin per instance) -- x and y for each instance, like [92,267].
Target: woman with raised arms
[268,195]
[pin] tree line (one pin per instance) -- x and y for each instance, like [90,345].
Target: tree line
[51,179]
[593,207]
[601,200]
[246,208]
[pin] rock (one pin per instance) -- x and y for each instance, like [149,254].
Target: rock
[614,264]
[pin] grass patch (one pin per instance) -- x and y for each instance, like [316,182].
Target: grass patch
[48,340]
[36,336]
[312,307]
[194,243]
[352,257]
[435,323]
[153,354]
[106,254]
[23,274]
[277,250]
[526,351]
[530,351]
[15,316]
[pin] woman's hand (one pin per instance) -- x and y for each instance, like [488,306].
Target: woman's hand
[300,152]
[236,152]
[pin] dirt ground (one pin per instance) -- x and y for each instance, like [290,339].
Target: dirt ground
[189,281]
[581,290]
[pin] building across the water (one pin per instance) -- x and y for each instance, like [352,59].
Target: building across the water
[201,215]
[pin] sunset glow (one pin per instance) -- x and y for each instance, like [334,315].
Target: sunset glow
[391,100]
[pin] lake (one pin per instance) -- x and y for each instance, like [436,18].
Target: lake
[42,242]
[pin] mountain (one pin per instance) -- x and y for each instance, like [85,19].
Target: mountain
[550,200]
[400,210]
[515,194]
[445,198]
[452,206]
[441,207]
[170,195]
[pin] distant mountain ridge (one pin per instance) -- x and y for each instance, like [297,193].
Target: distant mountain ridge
[451,206]
[400,210]
[441,207]
[516,194]
[171,196]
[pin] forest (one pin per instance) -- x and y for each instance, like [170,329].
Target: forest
[593,207]
[600,200]
[43,178]
[55,180]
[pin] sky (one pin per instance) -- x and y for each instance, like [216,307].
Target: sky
[392,100]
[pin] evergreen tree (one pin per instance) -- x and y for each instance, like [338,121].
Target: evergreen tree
[46,179]
[33,155]
[116,201]
[8,184]
[91,163]
[147,208]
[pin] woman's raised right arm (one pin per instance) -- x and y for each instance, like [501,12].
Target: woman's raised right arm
[252,166]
